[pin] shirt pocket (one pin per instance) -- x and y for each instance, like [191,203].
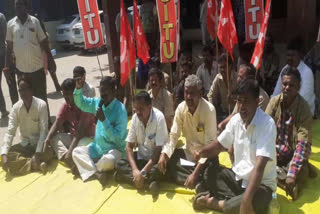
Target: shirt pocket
[150,141]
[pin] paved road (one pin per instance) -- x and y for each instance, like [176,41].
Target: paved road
[65,61]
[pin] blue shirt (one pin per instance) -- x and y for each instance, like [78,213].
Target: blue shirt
[111,133]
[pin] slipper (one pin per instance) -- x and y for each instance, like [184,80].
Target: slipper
[195,204]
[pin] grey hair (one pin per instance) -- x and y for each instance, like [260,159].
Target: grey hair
[193,81]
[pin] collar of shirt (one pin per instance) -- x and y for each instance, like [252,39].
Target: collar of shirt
[150,120]
[254,121]
[159,94]
[197,111]
[111,105]
[33,104]
[293,105]
[17,20]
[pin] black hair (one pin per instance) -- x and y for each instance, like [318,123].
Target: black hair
[145,96]
[223,58]
[250,69]
[187,63]
[79,69]
[109,82]
[291,71]
[25,2]
[209,49]
[68,84]
[22,79]
[296,44]
[155,71]
[247,86]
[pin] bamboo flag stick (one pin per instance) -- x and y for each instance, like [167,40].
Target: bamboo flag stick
[131,83]
[99,62]
[228,83]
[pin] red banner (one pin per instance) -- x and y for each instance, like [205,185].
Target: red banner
[92,31]
[141,41]
[127,47]
[258,51]
[254,17]
[212,17]
[167,16]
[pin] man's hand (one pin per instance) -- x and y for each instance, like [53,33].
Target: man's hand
[191,181]
[8,76]
[100,115]
[52,67]
[35,161]
[196,156]
[4,162]
[162,163]
[46,144]
[290,183]
[246,207]
[138,179]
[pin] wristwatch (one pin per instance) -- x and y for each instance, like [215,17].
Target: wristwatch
[144,173]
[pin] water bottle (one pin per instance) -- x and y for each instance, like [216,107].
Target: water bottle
[274,205]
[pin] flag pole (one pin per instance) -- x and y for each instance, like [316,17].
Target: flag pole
[99,62]
[228,83]
[130,82]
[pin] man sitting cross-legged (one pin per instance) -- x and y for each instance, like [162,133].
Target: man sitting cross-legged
[195,118]
[248,186]
[109,141]
[75,127]
[293,117]
[30,114]
[148,132]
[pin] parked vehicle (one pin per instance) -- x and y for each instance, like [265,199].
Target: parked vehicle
[64,31]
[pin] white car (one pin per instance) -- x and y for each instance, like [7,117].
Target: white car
[77,33]
[64,31]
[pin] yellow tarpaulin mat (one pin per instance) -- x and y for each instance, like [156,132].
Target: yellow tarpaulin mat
[58,192]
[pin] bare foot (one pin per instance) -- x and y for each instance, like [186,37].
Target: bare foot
[208,202]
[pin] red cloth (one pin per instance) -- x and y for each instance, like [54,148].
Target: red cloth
[127,47]
[227,32]
[258,51]
[74,116]
[212,17]
[141,41]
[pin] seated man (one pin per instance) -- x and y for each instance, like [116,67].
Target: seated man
[161,97]
[30,114]
[78,131]
[220,91]
[185,70]
[246,71]
[248,186]
[148,132]
[208,70]
[195,118]
[79,74]
[294,52]
[294,122]
[109,141]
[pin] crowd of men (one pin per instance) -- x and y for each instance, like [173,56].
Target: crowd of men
[222,107]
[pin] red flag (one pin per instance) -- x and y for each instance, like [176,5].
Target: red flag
[212,17]
[127,48]
[227,32]
[318,38]
[258,50]
[142,44]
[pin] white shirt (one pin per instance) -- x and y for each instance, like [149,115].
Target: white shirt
[307,85]
[205,77]
[33,125]
[149,137]
[26,40]
[199,129]
[88,90]
[258,139]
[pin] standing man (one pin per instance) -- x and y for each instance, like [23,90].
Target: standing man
[208,70]
[31,116]
[26,40]
[248,186]
[109,143]
[294,53]
[195,119]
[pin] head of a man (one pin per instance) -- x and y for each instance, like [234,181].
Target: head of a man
[155,79]
[186,69]
[143,105]
[25,90]
[192,92]
[107,89]
[68,86]
[294,51]
[291,81]
[79,73]
[21,7]
[225,70]
[247,93]
[245,71]
[207,54]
